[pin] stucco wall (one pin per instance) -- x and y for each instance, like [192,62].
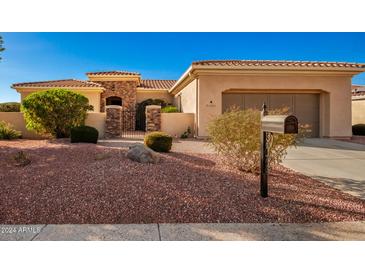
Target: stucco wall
[97,120]
[176,124]
[188,97]
[16,119]
[154,94]
[335,97]
[358,111]
[93,96]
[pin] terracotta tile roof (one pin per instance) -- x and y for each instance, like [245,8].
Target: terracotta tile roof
[157,84]
[258,63]
[358,90]
[112,73]
[58,83]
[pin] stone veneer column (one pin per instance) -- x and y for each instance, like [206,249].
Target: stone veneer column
[153,118]
[126,90]
[113,124]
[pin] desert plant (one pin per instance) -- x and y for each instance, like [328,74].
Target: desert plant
[84,134]
[158,141]
[55,111]
[7,132]
[236,136]
[186,134]
[21,159]
[10,107]
[169,109]
[358,129]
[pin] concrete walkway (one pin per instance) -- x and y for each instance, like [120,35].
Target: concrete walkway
[336,163]
[186,232]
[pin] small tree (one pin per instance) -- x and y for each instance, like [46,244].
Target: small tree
[1,45]
[55,111]
[236,136]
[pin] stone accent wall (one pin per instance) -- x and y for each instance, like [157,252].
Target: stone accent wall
[153,118]
[127,90]
[113,123]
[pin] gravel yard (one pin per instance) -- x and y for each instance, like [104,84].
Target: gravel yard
[85,183]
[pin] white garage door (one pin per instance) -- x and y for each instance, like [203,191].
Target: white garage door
[304,106]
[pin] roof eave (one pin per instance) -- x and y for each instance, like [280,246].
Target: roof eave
[195,69]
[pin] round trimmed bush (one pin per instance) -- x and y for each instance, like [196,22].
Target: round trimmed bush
[54,112]
[84,134]
[158,141]
[358,129]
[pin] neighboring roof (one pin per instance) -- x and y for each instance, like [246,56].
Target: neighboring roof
[156,84]
[258,63]
[58,83]
[358,90]
[113,73]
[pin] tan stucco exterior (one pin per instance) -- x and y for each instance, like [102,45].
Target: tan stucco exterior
[176,124]
[334,89]
[16,119]
[335,97]
[93,94]
[97,120]
[318,92]
[358,110]
[144,94]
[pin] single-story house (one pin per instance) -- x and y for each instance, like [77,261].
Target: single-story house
[318,93]
[358,104]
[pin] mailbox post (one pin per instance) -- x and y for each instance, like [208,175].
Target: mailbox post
[283,124]
[264,156]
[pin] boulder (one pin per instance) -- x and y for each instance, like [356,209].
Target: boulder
[142,154]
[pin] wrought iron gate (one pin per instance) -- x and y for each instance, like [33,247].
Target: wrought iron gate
[133,124]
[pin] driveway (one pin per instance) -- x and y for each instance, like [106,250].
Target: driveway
[336,163]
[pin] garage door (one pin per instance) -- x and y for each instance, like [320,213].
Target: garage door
[304,106]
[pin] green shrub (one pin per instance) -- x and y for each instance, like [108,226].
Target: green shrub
[236,136]
[158,141]
[358,129]
[7,132]
[169,109]
[10,107]
[55,111]
[84,134]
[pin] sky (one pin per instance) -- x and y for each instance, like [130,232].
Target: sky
[52,56]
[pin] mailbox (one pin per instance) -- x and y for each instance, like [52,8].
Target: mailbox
[285,124]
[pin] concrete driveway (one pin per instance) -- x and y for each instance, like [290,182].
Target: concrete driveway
[337,163]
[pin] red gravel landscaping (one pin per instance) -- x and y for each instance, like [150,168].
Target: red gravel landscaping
[85,183]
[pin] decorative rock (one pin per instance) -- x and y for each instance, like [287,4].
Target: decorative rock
[142,154]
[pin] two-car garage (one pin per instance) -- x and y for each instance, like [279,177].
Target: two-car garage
[303,105]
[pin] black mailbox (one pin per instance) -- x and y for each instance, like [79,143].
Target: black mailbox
[285,124]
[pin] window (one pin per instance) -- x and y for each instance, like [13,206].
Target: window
[114,100]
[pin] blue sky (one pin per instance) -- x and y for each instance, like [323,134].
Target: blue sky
[52,56]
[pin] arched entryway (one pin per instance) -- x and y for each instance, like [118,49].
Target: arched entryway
[114,100]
